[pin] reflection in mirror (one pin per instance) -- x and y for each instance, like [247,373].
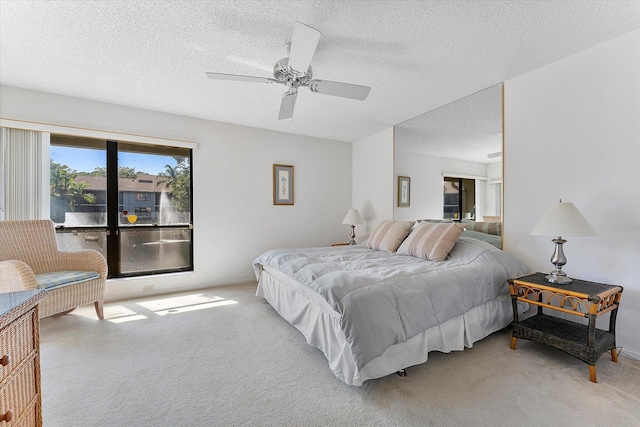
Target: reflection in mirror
[453,156]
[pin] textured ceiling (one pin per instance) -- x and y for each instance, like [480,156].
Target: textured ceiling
[415,55]
[467,129]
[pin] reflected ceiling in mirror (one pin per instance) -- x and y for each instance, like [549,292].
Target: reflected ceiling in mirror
[467,129]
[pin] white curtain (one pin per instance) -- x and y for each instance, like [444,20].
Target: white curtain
[480,209]
[496,199]
[21,174]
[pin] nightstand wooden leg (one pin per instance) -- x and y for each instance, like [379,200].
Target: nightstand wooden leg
[614,355]
[513,343]
[592,374]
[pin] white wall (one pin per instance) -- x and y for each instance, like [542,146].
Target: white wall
[572,131]
[426,171]
[234,218]
[494,171]
[373,180]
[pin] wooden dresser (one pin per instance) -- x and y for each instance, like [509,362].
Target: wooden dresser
[20,398]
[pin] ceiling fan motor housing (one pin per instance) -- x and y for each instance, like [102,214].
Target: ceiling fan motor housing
[285,74]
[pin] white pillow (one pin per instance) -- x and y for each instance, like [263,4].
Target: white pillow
[431,241]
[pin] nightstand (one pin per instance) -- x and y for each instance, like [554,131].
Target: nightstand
[580,298]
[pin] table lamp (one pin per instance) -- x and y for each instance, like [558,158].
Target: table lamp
[352,218]
[562,219]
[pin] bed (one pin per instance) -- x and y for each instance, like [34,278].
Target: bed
[492,239]
[373,311]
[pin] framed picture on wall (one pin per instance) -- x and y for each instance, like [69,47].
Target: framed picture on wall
[282,184]
[404,191]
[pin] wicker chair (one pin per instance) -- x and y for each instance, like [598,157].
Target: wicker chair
[30,259]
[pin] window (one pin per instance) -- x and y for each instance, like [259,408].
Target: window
[78,182]
[131,202]
[459,198]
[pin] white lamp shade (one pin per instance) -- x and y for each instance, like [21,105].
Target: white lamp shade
[565,220]
[353,217]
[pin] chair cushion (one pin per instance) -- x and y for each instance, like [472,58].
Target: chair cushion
[57,279]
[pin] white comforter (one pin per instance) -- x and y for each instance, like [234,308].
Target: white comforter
[384,298]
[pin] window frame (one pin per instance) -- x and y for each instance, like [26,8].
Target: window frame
[113,227]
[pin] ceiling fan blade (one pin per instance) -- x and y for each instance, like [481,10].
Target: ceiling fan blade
[303,45]
[287,105]
[345,90]
[240,78]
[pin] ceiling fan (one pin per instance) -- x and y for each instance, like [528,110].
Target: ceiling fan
[295,71]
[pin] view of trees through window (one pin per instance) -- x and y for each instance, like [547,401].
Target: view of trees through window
[70,193]
[98,206]
[84,191]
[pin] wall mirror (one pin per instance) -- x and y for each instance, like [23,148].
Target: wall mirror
[453,155]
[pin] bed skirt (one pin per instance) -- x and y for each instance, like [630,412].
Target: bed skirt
[320,325]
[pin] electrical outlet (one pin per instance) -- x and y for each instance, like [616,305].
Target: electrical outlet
[148,288]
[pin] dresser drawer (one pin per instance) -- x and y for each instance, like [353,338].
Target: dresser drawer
[28,418]
[17,342]
[20,390]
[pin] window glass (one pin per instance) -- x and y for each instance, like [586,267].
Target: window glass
[154,185]
[78,182]
[151,250]
[71,240]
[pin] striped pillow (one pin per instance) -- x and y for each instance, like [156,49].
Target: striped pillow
[431,241]
[388,235]
[446,221]
[485,227]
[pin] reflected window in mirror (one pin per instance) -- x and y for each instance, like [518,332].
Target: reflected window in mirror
[459,198]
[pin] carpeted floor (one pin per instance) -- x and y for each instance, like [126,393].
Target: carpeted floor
[223,357]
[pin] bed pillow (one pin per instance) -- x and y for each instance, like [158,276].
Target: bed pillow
[431,241]
[388,235]
[484,227]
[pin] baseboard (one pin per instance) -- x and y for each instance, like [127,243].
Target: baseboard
[159,284]
[630,353]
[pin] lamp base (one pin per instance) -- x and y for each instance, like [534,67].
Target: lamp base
[558,276]
[558,259]
[353,235]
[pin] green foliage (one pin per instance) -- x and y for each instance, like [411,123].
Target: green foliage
[65,191]
[60,177]
[76,192]
[98,171]
[125,172]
